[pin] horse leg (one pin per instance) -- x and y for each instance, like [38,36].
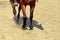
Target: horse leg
[24,16]
[14,10]
[32,6]
[18,16]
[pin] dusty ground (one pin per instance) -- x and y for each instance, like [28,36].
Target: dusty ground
[46,16]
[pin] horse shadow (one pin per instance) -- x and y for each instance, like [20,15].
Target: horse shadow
[34,23]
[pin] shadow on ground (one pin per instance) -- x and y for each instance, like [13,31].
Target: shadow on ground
[35,23]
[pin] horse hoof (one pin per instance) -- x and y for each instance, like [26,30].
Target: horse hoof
[17,21]
[31,28]
[24,27]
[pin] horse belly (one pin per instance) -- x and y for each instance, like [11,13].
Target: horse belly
[27,2]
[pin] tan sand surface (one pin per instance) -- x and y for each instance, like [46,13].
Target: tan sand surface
[46,16]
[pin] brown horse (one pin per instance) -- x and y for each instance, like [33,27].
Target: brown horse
[22,5]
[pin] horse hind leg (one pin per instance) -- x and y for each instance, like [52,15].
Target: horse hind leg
[24,16]
[14,10]
[13,7]
[31,15]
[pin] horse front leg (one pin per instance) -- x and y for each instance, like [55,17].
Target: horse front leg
[24,16]
[31,15]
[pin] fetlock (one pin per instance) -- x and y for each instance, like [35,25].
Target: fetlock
[24,22]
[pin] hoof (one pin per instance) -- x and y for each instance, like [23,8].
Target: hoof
[24,27]
[18,18]
[31,28]
[17,21]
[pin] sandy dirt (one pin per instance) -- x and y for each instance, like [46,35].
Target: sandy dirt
[46,17]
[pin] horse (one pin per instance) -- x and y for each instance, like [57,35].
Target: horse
[22,6]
